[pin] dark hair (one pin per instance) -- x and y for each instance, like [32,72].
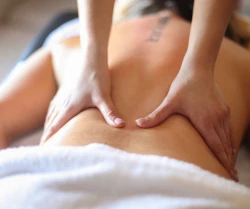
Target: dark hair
[183,7]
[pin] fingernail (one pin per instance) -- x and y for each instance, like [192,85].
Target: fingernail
[119,121]
[141,121]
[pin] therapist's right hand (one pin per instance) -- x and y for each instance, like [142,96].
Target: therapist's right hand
[87,85]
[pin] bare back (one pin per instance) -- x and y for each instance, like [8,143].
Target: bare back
[145,56]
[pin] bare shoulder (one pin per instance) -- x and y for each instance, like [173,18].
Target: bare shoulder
[64,55]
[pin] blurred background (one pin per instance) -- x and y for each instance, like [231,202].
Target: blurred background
[244,7]
[20,21]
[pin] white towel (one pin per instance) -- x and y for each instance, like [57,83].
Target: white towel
[100,177]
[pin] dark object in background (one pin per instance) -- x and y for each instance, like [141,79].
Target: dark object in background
[38,42]
[183,7]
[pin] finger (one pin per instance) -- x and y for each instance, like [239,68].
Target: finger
[212,140]
[228,130]
[59,121]
[231,135]
[58,118]
[232,144]
[48,116]
[52,116]
[46,131]
[217,148]
[109,113]
[55,109]
[228,138]
[220,131]
[159,115]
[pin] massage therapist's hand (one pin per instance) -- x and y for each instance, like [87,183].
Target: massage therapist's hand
[195,95]
[87,85]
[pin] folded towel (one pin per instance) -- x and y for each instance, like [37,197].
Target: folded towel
[100,177]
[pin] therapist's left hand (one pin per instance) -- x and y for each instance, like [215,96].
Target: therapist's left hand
[194,94]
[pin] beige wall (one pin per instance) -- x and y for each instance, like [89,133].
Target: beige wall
[4,6]
[23,19]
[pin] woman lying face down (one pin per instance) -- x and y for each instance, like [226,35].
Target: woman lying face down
[141,73]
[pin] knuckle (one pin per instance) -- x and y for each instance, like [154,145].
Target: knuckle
[109,112]
[218,152]
[155,115]
[219,115]
[224,111]
[66,102]
[69,108]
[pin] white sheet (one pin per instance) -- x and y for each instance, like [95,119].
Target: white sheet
[242,164]
[98,176]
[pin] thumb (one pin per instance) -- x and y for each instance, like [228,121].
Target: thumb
[108,111]
[159,115]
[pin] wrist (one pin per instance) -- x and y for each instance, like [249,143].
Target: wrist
[199,62]
[94,51]
[94,46]
[197,68]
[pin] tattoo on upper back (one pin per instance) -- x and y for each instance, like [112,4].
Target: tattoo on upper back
[158,29]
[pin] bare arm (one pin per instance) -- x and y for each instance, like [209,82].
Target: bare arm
[193,92]
[89,84]
[95,23]
[210,20]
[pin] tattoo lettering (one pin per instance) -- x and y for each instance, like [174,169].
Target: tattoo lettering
[157,31]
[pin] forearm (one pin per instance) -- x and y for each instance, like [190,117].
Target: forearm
[210,20]
[95,23]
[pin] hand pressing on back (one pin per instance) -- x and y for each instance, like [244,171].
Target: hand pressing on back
[87,85]
[194,94]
